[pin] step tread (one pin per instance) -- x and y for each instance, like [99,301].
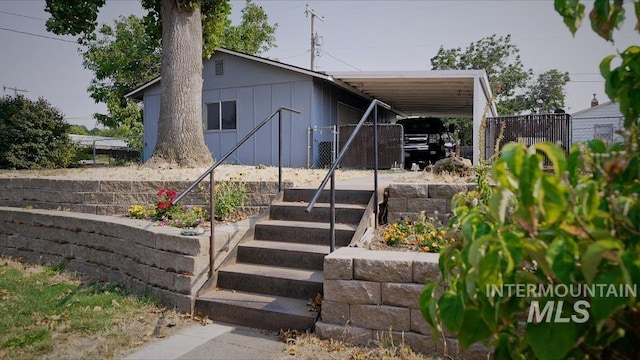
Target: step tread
[287,246]
[272,303]
[307,224]
[320,205]
[275,272]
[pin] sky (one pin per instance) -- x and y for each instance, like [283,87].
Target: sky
[357,35]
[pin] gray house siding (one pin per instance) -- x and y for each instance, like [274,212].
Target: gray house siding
[151,115]
[258,89]
[326,98]
[584,123]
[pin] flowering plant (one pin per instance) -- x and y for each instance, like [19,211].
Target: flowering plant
[138,211]
[426,234]
[164,204]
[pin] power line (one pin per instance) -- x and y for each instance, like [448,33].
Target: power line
[38,35]
[21,15]
[342,61]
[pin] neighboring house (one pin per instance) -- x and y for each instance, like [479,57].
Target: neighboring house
[599,121]
[241,90]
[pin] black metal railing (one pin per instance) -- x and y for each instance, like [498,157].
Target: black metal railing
[331,173]
[210,172]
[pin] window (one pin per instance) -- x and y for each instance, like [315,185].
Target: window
[604,133]
[221,115]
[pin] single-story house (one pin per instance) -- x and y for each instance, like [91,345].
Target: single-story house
[240,90]
[599,121]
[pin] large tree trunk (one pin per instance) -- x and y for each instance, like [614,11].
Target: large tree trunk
[180,132]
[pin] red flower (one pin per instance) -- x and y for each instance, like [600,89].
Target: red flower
[164,205]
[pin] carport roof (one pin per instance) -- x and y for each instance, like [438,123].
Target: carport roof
[438,93]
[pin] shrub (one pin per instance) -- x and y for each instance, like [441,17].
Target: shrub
[33,135]
[229,197]
[576,227]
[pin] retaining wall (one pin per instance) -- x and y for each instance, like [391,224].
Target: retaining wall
[145,259]
[374,296]
[114,197]
[408,200]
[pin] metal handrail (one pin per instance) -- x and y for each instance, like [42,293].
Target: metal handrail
[211,170]
[331,173]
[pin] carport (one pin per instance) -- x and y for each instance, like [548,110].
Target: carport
[436,93]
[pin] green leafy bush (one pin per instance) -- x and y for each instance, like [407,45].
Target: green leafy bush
[33,135]
[577,227]
[536,232]
[229,198]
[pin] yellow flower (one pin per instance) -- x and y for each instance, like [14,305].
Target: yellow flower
[426,249]
[432,233]
[434,244]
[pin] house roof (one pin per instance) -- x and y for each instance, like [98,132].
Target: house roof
[438,93]
[590,109]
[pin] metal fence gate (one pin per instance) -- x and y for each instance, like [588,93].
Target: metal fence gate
[528,129]
[322,146]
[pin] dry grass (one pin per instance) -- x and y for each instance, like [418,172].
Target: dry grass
[297,176]
[308,346]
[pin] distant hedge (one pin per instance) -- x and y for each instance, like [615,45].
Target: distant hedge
[33,135]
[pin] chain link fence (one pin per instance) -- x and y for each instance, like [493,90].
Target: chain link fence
[321,146]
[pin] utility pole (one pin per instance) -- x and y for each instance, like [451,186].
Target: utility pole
[15,89]
[308,11]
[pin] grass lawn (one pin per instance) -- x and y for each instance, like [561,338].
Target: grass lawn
[47,313]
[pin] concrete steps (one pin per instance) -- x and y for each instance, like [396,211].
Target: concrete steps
[278,270]
[256,310]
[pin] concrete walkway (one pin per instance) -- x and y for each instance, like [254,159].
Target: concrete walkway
[214,341]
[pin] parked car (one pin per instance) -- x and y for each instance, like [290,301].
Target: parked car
[426,140]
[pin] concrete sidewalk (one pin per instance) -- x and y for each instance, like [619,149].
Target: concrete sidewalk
[214,341]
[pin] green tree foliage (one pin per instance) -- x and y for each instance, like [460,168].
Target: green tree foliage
[214,16]
[544,95]
[547,93]
[78,130]
[33,135]
[497,56]
[507,76]
[575,226]
[127,55]
[121,58]
[254,34]
[180,24]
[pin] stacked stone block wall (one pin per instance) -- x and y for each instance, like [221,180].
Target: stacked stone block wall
[373,296]
[113,197]
[147,260]
[408,200]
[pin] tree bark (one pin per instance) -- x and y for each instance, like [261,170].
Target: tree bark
[180,130]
